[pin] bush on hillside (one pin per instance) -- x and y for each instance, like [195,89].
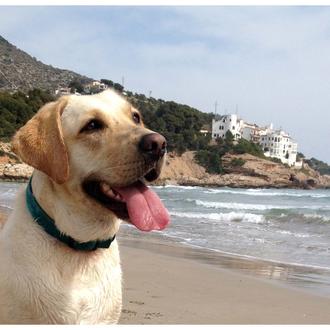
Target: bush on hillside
[16,109]
[244,146]
[237,162]
[210,160]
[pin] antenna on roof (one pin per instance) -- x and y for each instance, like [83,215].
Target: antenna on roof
[236,109]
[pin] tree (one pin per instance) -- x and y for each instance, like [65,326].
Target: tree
[18,108]
[118,87]
[229,138]
[107,82]
[76,86]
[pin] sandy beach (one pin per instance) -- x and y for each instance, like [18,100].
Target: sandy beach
[164,285]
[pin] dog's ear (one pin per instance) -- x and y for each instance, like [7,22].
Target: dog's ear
[40,143]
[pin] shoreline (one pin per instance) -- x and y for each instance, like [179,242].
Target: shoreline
[194,184]
[157,273]
[167,282]
[310,279]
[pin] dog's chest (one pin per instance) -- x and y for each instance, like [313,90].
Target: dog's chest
[79,293]
[97,299]
[95,294]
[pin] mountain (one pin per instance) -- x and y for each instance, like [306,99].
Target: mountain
[20,71]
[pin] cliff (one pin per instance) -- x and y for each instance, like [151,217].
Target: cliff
[183,170]
[255,173]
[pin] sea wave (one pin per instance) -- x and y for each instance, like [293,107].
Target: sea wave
[257,207]
[290,233]
[172,186]
[260,192]
[231,216]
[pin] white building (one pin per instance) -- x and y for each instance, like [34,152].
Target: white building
[253,132]
[280,145]
[95,87]
[100,85]
[277,144]
[63,91]
[222,124]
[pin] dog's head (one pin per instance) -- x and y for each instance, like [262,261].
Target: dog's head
[98,145]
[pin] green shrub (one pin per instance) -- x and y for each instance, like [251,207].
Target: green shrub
[16,109]
[210,160]
[237,162]
[244,146]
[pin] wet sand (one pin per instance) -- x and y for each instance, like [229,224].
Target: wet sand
[170,284]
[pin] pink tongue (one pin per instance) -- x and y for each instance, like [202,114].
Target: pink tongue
[145,209]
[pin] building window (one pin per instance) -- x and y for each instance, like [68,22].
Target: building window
[233,127]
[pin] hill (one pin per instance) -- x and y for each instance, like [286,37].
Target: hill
[21,72]
[21,97]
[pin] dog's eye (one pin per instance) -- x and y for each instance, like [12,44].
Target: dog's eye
[136,118]
[92,125]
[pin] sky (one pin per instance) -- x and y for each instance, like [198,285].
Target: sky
[271,64]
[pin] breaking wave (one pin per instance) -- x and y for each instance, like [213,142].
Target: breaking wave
[259,207]
[232,216]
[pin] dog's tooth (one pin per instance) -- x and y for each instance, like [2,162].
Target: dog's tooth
[105,187]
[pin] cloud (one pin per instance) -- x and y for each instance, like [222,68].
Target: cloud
[274,62]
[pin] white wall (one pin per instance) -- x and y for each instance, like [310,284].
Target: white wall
[224,124]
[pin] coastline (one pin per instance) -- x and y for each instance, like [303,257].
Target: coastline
[183,170]
[193,183]
[169,284]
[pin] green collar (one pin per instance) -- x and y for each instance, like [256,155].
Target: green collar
[48,224]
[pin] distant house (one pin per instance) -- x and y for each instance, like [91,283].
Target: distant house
[95,87]
[222,124]
[205,130]
[280,145]
[100,85]
[63,91]
[275,143]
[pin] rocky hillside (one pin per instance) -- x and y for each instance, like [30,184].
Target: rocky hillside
[254,173]
[11,167]
[183,170]
[20,71]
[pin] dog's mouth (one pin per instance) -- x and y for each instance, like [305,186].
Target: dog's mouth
[135,202]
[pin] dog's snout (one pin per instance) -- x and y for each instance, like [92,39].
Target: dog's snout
[153,145]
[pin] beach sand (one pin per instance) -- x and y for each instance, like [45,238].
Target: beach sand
[164,284]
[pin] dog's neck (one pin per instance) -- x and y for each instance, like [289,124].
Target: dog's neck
[72,212]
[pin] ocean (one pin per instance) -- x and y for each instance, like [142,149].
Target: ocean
[282,227]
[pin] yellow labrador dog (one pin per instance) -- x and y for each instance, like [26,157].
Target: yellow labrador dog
[59,259]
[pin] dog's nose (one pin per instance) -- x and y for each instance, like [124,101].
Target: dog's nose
[153,146]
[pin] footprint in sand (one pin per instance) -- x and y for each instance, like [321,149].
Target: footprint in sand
[151,315]
[136,302]
[127,311]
